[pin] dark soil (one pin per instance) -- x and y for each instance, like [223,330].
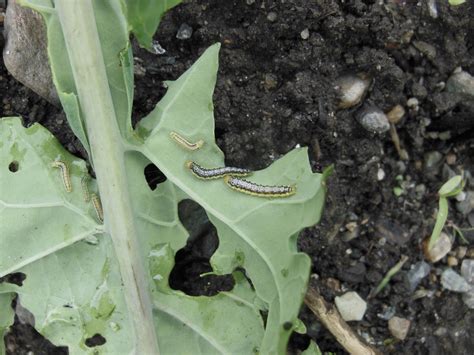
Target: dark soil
[275,90]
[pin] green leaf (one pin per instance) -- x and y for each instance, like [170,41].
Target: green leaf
[440,221]
[456,2]
[74,289]
[452,187]
[144,17]
[255,233]
[312,349]
[113,31]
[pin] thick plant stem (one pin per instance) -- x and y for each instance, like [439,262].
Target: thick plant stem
[84,49]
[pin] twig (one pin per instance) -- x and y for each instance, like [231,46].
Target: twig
[332,320]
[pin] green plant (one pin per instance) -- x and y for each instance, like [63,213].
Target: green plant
[449,189]
[85,277]
[456,2]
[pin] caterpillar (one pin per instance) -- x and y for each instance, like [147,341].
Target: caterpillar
[85,188]
[254,189]
[98,207]
[185,143]
[215,173]
[64,174]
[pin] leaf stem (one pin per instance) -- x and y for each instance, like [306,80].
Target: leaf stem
[85,54]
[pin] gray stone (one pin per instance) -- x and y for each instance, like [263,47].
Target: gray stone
[432,160]
[452,281]
[184,32]
[304,34]
[399,327]
[25,52]
[418,272]
[461,82]
[467,270]
[272,16]
[351,89]
[427,49]
[468,298]
[373,119]
[351,306]
[440,248]
[467,205]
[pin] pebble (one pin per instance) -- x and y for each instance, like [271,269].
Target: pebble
[353,274]
[184,32]
[418,272]
[451,159]
[461,82]
[270,82]
[351,89]
[373,119]
[351,306]
[392,231]
[452,281]
[467,205]
[419,91]
[432,160]
[304,34]
[439,250]
[452,261]
[420,191]
[413,103]
[427,49]
[272,16]
[467,270]
[396,114]
[461,196]
[461,252]
[387,313]
[399,327]
[380,174]
[25,51]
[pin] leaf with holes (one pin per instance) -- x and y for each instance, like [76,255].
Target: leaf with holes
[106,285]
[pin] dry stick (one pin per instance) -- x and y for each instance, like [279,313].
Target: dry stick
[332,320]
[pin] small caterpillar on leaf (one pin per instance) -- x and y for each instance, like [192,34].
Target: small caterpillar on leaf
[185,143]
[85,188]
[64,174]
[215,173]
[254,189]
[98,207]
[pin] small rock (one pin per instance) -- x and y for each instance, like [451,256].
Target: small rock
[25,52]
[250,2]
[305,34]
[467,205]
[373,119]
[467,270]
[270,82]
[432,160]
[413,103]
[451,159]
[461,83]
[392,231]
[351,306]
[399,327]
[452,281]
[396,114]
[157,48]
[387,313]
[380,174]
[351,89]
[418,272]
[461,196]
[333,284]
[439,250]
[184,32]
[427,49]
[419,90]
[461,252]
[353,274]
[452,261]
[420,191]
[468,298]
[272,16]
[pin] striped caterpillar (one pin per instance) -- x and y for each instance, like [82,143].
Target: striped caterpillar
[254,189]
[64,174]
[98,207]
[215,173]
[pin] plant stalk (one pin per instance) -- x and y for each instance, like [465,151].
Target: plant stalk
[84,49]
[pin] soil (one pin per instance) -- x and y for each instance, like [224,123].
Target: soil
[275,90]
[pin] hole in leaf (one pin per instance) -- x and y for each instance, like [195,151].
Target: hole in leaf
[15,278]
[193,259]
[23,338]
[95,340]
[153,176]
[13,166]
